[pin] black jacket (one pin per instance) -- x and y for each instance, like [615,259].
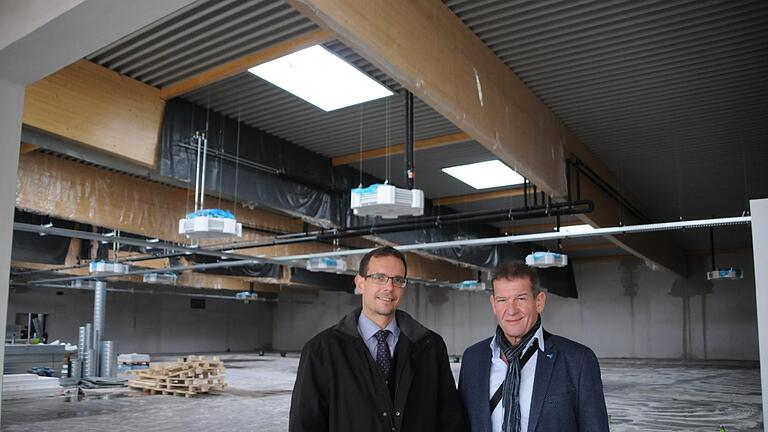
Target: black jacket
[340,388]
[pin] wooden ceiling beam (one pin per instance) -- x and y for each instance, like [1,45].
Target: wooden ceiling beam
[426,48]
[245,62]
[429,51]
[481,196]
[424,144]
[28,148]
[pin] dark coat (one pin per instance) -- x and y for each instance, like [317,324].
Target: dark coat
[340,388]
[567,389]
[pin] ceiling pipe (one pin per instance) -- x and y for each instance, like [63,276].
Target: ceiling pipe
[524,238]
[186,250]
[135,291]
[410,171]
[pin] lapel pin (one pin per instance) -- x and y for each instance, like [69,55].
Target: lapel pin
[549,356]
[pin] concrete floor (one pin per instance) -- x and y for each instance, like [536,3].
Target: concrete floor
[642,395]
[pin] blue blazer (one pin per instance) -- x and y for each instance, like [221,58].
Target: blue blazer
[567,389]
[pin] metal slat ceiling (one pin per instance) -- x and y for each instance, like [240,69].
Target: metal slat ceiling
[205,34]
[671,95]
[262,105]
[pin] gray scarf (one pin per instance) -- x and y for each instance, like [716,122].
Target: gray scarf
[511,391]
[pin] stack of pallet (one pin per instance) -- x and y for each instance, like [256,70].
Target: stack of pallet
[185,377]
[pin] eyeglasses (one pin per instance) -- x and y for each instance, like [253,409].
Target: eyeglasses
[382,279]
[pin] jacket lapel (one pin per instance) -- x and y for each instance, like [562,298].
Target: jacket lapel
[544,364]
[484,381]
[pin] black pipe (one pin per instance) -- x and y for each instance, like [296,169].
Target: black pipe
[609,189]
[712,246]
[525,193]
[568,181]
[556,209]
[410,172]
[560,209]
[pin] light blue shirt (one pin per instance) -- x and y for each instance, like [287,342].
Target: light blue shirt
[527,375]
[368,330]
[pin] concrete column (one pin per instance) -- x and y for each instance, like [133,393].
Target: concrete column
[759,210]
[11,107]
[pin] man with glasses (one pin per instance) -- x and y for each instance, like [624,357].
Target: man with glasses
[378,369]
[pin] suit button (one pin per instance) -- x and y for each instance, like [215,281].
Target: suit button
[397,413]
[384,413]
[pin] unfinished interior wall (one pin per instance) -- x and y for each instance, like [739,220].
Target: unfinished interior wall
[152,323]
[624,309]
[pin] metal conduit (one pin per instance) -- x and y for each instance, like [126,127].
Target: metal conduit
[524,238]
[99,311]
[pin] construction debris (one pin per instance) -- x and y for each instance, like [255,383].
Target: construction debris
[185,377]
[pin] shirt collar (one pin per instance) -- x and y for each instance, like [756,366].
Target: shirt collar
[368,328]
[496,351]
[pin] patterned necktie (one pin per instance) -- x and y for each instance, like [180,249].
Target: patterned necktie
[383,357]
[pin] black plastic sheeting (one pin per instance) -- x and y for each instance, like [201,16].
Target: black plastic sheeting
[557,280]
[306,184]
[329,281]
[32,247]
[255,270]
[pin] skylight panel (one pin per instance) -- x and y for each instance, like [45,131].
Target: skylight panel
[321,78]
[484,175]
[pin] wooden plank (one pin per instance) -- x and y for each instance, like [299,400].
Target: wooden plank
[72,191]
[244,63]
[95,106]
[427,49]
[424,144]
[69,190]
[28,148]
[480,196]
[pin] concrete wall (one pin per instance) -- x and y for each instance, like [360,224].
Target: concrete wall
[625,309]
[152,323]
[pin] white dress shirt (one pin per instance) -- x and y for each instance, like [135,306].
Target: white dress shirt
[527,375]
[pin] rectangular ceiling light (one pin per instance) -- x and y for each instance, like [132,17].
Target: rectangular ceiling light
[321,78]
[484,175]
[575,228]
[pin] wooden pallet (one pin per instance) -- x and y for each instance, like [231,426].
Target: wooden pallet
[185,377]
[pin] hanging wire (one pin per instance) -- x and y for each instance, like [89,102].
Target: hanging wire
[237,152]
[191,134]
[386,141]
[744,173]
[679,176]
[221,159]
[361,145]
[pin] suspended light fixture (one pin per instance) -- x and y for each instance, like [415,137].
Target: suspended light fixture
[470,285]
[327,264]
[729,273]
[207,223]
[387,201]
[161,278]
[546,259]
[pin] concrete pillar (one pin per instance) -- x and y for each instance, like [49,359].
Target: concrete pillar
[759,210]
[11,107]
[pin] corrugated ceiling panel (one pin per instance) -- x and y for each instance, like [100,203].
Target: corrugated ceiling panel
[671,95]
[262,105]
[200,36]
